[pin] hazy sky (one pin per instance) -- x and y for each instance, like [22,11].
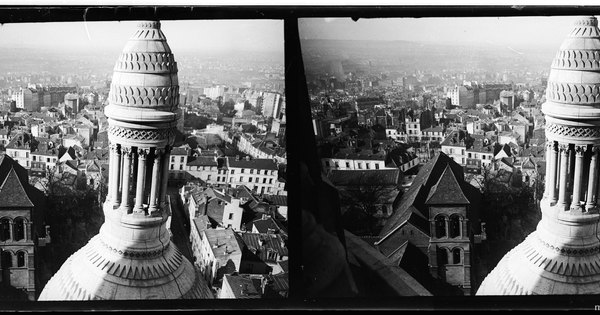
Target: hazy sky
[505,31]
[182,36]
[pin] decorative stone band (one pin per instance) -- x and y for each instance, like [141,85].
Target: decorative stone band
[149,24]
[590,21]
[146,62]
[570,251]
[171,261]
[563,131]
[144,96]
[573,93]
[558,263]
[577,60]
[142,134]
[136,254]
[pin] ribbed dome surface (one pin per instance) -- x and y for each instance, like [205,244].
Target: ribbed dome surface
[133,257]
[563,255]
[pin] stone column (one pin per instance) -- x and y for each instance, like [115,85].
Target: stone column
[142,154]
[577,180]
[165,175]
[156,176]
[550,191]
[115,172]
[593,173]
[564,165]
[446,226]
[551,181]
[126,175]
[27,230]
[11,229]
[121,164]
[460,227]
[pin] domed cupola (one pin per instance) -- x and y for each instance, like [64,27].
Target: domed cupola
[133,257]
[562,256]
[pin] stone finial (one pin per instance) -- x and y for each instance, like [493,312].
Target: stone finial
[149,24]
[587,21]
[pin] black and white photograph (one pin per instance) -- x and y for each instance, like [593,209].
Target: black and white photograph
[143,160]
[301,156]
[461,152]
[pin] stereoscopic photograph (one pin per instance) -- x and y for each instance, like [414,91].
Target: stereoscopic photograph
[434,158]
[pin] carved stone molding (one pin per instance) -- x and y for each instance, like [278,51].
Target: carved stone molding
[141,134]
[573,93]
[563,148]
[580,150]
[115,147]
[127,151]
[144,96]
[143,153]
[575,132]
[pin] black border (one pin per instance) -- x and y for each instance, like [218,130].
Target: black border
[299,147]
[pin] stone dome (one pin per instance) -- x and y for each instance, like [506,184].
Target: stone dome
[132,257]
[562,256]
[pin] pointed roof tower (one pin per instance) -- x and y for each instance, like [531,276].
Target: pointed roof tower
[561,256]
[133,257]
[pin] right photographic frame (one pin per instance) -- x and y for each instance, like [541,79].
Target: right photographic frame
[454,156]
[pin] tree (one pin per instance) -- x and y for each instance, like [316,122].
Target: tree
[74,216]
[362,200]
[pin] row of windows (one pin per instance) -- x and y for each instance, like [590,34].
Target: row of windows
[6,260]
[18,231]
[358,165]
[452,226]
[181,159]
[257,180]
[444,258]
[41,159]
[243,170]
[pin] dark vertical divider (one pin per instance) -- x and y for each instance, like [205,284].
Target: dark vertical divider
[318,266]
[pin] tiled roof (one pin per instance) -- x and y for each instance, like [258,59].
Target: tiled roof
[363,155]
[12,193]
[201,161]
[179,151]
[242,287]
[362,177]
[447,190]
[278,200]
[279,282]
[261,164]
[222,242]
[262,243]
[412,203]
[267,225]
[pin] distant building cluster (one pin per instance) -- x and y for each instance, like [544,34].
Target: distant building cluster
[239,237]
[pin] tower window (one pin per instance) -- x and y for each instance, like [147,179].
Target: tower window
[456,256]
[442,257]
[19,228]
[440,226]
[4,229]
[454,227]
[6,260]
[20,259]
